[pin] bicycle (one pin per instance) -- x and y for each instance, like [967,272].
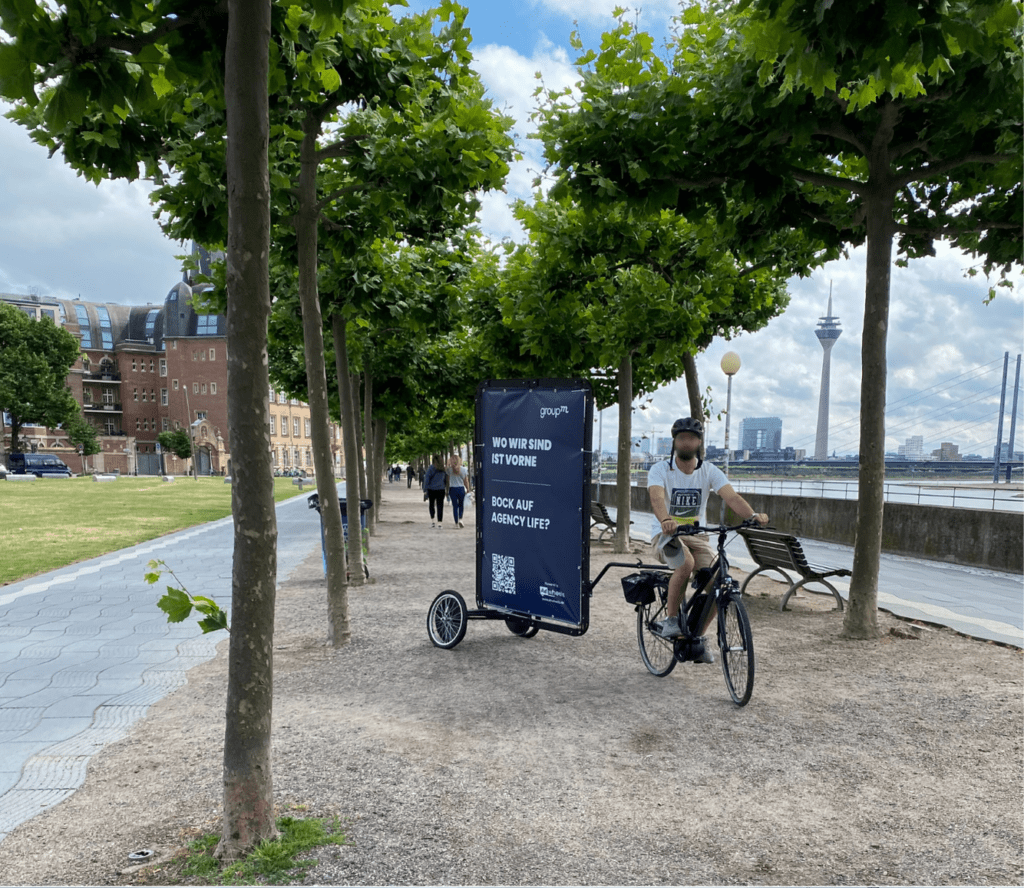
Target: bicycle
[713,588]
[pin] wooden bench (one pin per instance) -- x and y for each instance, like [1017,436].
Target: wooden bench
[782,552]
[600,518]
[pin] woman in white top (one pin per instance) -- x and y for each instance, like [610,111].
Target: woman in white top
[458,486]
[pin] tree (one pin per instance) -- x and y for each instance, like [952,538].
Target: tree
[176,442]
[82,434]
[621,295]
[95,86]
[35,357]
[862,121]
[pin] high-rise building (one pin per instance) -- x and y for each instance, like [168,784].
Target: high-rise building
[761,433]
[827,332]
[913,449]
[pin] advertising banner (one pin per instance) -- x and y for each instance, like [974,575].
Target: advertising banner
[533,453]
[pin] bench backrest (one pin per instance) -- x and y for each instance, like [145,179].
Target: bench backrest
[598,511]
[770,547]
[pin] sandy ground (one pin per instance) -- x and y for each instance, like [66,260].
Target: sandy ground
[561,760]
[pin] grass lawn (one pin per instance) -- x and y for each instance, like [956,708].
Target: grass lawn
[53,522]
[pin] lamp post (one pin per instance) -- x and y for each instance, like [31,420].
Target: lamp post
[730,366]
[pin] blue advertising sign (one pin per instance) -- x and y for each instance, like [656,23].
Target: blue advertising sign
[533,452]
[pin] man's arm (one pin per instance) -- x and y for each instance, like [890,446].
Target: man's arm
[657,495]
[739,505]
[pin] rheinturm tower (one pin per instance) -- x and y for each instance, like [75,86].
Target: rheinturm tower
[827,332]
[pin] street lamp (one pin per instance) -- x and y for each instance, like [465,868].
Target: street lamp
[730,367]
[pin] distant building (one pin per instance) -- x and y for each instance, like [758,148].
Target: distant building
[761,433]
[828,331]
[947,451]
[146,369]
[913,449]
[664,446]
[1004,453]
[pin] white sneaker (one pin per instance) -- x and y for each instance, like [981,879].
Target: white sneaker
[461,524]
[669,628]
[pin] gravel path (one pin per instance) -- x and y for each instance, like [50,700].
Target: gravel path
[560,760]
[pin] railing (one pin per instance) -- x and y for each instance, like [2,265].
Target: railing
[101,407]
[1001,497]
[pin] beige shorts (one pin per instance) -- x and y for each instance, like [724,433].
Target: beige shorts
[699,546]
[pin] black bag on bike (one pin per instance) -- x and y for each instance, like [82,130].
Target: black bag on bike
[639,588]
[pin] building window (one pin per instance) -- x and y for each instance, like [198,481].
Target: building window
[206,325]
[307,429]
[110,426]
[200,414]
[213,354]
[83,326]
[108,395]
[106,337]
[135,392]
[195,388]
[309,458]
[202,355]
[213,388]
[134,368]
[163,397]
[174,345]
[295,427]
[143,394]
[204,388]
[284,450]
[174,384]
[138,425]
[163,366]
[273,397]
[195,355]
[166,423]
[152,365]
[273,424]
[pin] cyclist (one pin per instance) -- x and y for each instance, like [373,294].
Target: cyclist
[678,489]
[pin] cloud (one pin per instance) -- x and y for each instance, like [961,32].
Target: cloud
[60,236]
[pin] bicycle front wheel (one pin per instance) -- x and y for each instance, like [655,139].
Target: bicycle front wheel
[658,653]
[737,646]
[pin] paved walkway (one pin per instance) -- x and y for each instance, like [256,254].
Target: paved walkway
[84,652]
[984,604]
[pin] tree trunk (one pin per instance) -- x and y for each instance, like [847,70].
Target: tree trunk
[861,619]
[371,451]
[693,387]
[338,630]
[622,479]
[364,448]
[248,780]
[380,437]
[350,439]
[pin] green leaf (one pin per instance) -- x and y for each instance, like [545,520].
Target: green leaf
[176,604]
[215,622]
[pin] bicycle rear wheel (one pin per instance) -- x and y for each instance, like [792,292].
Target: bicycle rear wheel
[658,653]
[737,646]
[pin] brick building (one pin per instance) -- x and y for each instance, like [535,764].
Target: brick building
[150,368]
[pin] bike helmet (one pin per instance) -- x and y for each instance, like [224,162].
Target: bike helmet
[688,424]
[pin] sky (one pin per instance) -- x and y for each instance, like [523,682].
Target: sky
[63,237]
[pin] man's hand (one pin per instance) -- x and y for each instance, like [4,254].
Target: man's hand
[760,517]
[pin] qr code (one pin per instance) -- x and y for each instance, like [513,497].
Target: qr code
[503,574]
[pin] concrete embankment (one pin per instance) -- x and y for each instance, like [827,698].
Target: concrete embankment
[989,539]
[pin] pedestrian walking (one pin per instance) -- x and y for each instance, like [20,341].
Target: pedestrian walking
[458,487]
[435,485]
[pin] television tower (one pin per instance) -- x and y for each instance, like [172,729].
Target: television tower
[827,332]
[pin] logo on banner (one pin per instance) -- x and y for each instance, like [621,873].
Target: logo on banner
[553,411]
[551,592]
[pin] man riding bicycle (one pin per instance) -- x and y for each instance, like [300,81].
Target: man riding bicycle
[678,489]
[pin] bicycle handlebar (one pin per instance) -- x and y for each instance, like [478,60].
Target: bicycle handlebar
[690,529]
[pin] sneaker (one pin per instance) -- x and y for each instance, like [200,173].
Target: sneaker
[433,524]
[668,628]
[461,524]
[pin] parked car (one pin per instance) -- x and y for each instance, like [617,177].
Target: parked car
[38,464]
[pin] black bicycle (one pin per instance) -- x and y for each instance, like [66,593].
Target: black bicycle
[713,588]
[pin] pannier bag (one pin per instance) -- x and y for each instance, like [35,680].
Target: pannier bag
[639,587]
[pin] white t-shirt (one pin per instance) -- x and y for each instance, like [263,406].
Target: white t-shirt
[686,496]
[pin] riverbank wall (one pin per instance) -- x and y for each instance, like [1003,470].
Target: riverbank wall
[988,539]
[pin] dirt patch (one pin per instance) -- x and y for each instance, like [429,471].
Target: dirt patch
[560,760]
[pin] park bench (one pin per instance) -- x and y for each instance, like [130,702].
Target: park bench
[600,519]
[782,552]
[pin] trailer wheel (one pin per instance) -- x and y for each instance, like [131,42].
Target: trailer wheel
[446,620]
[522,628]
